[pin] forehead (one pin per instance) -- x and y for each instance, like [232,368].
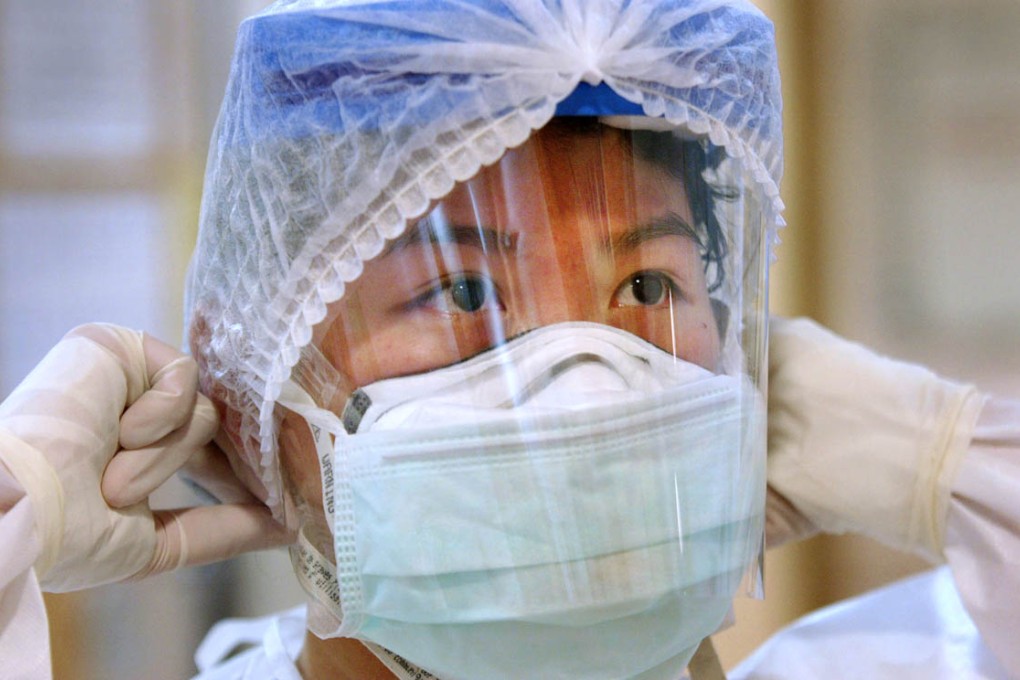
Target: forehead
[569,171]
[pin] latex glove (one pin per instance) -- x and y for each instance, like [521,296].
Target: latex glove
[858,442]
[109,399]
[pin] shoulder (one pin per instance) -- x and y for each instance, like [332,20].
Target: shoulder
[914,628]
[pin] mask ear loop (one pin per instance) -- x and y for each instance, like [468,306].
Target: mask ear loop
[315,375]
[313,385]
[316,573]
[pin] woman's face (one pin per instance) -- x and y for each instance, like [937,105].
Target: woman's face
[567,227]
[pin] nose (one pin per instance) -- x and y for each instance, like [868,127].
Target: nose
[553,296]
[562,280]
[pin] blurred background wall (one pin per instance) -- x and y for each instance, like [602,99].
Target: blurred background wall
[106,108]
[902,186]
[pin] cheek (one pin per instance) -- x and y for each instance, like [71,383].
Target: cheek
[397,350]
[371,340]
[409,344]
[698,334]
[700,343]
[364,347]
[690,334]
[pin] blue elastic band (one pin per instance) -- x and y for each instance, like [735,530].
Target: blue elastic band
[597,100]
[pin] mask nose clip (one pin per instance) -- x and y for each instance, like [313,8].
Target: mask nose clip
[569,379]
[560,368]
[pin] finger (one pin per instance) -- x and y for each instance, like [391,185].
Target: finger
[201,535]
[131,476]
[126,346]
[210,471]
[166,405]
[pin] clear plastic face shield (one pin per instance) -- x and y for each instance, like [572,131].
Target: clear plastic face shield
[550,401]
[524,434]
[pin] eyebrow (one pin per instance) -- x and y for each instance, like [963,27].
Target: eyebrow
[489,240]
[426,231]
[670,224]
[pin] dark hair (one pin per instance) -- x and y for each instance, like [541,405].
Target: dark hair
[687,160]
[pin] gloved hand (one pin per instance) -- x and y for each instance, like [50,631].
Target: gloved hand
[112,412]
[858,442]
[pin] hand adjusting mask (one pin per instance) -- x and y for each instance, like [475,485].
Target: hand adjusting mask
[575,488]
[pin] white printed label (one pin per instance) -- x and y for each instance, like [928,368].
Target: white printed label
[398,665]
[317,575]
[324,450]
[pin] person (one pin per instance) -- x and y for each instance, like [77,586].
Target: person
[508,384]
[488,335]
[479,293]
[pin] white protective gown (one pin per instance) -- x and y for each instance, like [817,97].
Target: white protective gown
[959,621]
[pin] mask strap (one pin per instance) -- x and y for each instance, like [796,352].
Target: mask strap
[398,665]
[316,573]
[317,577]
[321,424]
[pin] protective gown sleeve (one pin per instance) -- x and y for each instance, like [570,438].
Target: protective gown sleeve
[24,633]
[959,620]
[983,530]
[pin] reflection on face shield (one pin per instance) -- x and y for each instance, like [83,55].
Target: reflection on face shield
[581,223]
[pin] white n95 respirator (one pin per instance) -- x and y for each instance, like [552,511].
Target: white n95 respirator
[506,261]
[575,489]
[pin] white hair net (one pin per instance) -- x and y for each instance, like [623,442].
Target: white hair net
[343,121]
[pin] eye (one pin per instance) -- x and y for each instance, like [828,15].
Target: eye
[646,289]
[465,293]
[469,294]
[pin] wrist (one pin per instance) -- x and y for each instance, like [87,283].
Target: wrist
[45,493]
